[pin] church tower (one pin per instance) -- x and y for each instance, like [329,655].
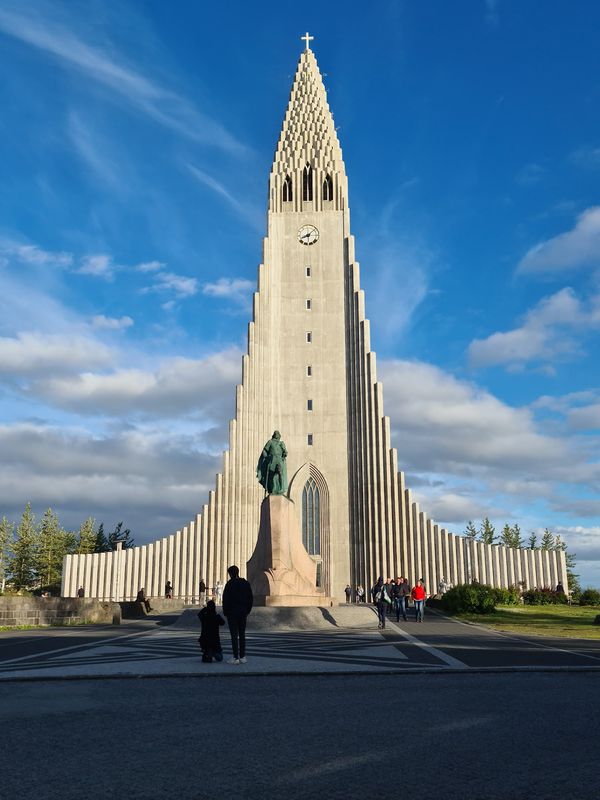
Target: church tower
[311,374]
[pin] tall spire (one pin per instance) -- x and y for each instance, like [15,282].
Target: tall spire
[308,137]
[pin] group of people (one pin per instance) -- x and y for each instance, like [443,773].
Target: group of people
[393,597]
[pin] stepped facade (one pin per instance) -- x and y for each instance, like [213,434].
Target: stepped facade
[310,373]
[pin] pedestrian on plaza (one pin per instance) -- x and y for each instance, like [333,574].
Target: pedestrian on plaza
[210,640]
[404,595]
[389,583]
[560,589]
[141,598]
[395,594]
[80,592]
[419,594]
[348,593]
[201,592]
[218,593]
[382,600]
[360,594]
[168,591]
[237,604]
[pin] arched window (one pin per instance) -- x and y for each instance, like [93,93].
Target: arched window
[328,188]
[307,183]
[311,520]
[287,190]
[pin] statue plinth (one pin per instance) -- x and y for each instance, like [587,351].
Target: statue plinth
[280,570]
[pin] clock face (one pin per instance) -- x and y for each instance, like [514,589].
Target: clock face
[308,234]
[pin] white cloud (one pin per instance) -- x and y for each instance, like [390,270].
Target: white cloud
[88,146]
[181,285]
[179,386]
[242,209]
[34,354]
[32,254]
[530,174]
[586,157]
[579,247]
[124,82]
[149,266]
[237,290]
[152,479]
[545,335]
[111,323]
[99,266]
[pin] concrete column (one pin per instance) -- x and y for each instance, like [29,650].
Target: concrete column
[176,577]
[417,558]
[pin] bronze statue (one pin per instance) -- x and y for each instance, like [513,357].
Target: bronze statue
[271,470]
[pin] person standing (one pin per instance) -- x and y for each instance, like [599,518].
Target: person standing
[237,604]
[348,593]
[80,592]
[218,593]
[396,597]
[201,591]
[360,594]
[168,591]
[382,600]
[210,641]
[404,595]
[419,594]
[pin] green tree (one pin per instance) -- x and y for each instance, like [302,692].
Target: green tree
[487,532]
[86,537]
[547,542]
[24,560]
[532,541]
[517,541]
[506,537]
[572,576]
[120,535]
[102,545]
[54,544]
[471,530]
[7,531]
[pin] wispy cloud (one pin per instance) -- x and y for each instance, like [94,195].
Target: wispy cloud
[32,254]
[236,290]
[125,82]
[149,266]
[99,266]
[530,174]
[242,209]
[181,285]
[34,354]
[111,323]
[586,157]
[579,247]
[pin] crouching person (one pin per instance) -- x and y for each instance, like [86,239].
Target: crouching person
[210,640]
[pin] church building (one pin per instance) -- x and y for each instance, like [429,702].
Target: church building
[310,373]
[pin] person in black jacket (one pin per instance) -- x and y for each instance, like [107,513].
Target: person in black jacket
[237,604]
[210,641]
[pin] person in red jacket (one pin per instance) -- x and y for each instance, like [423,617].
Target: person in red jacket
[419,594]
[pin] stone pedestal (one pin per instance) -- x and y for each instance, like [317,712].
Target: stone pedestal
[280,570]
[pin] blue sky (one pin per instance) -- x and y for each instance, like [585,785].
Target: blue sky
[136,142]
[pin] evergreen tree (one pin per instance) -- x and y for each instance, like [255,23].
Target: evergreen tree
[471,531]
[517,541]
[487,532]
[102,545]
[532,541]
[54,544]
[572,576]
[547,542]
[7,530]
[86,538]
[120,535]
[506,537]
[25,551]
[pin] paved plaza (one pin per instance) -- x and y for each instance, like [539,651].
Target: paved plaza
[347,643]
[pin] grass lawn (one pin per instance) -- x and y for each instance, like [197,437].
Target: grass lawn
[573,622]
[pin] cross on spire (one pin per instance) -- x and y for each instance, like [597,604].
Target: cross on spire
[307,39]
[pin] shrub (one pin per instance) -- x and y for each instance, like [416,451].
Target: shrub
[465,598]
[589,597]
[506,597]
[543,597]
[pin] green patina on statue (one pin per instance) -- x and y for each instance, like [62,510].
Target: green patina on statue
[272,470]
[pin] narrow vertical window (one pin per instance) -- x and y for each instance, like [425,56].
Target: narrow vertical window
[308,272]
[307,183]
[308,305]
[308,336]
[309,405]
[328,188]
[287,189]
[310,438]
[309,371]
[311,518]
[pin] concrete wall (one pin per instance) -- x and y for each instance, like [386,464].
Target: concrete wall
[56,611]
